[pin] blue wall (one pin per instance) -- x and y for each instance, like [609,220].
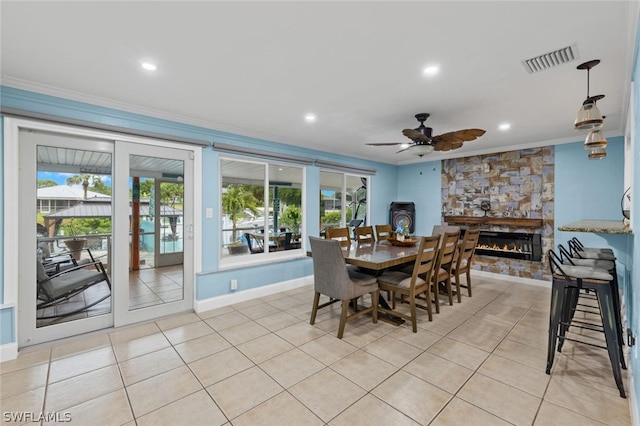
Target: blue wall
[421,184]
[633,295]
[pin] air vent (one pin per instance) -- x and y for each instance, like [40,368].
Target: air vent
[550,60]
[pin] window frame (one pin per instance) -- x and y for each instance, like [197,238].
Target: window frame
[230,261]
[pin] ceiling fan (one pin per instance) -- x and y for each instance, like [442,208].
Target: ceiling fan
[424,143]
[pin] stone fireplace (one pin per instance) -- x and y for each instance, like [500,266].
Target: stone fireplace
[510,192]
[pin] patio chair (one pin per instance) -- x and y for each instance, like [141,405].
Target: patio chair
[57,288]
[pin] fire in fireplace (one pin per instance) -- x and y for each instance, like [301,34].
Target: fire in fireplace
[512,245]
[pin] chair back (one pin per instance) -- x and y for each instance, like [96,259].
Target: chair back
[426,259]
[466,248]
[330,274]
[443,229]
[383,232]
[364,234]
[447,251]
[339,234]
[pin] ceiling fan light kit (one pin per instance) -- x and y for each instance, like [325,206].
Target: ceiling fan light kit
[423,143]
[589,118]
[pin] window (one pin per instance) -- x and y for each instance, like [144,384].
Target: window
[343,200]
[261,209]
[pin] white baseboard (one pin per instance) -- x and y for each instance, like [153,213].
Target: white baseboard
[502,277]
[8,351]
[631,397]
[242,296]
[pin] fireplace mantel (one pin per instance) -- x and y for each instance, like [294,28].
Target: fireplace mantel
[499,221]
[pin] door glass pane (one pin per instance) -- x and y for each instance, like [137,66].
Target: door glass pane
[73,234]
[156,196]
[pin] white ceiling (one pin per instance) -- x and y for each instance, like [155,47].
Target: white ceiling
[256,68]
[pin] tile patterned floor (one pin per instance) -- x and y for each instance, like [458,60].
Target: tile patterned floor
[259,362]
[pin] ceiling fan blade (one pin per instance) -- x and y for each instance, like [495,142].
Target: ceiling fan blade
[385,143]
[447,145]
[415,135]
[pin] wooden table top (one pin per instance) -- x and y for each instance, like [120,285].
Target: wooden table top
[379,255]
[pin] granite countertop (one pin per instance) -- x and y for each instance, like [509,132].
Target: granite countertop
[597,226]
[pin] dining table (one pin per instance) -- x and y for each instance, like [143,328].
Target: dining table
[380,255]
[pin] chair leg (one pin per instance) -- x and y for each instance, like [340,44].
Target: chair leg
[374,304]
[570,302]
[436,296]
[343,318]
[610,332]
[314,310]
[457,277]
[429,306]
[557,301]
[469,281]
[449,290]
[412,305]
[616,312]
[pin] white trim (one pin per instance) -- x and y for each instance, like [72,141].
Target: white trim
[631,396]
[502,277]
[254,293]
[8,351]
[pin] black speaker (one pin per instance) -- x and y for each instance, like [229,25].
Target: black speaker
[400,211]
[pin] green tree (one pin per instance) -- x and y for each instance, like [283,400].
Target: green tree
[236,200]
[291,217]
[93,181]
[46,183]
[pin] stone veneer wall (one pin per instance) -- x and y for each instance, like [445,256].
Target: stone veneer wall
[517,184]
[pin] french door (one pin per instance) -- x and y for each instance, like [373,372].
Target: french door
[130,201]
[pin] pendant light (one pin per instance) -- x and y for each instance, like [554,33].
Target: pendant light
[589,116]
[597,154]
[595,139]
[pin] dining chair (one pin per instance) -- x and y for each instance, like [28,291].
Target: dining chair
[443,229]
[462,260]
[364,234]
[339,234]
[331,278]
[383,232]
[414,284]
[444,263]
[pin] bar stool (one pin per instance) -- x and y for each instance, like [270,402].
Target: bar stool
[602,258]
[567,282]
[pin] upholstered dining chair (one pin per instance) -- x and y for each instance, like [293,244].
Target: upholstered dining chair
[442,272]
[418,282]
[331,278]
[383,232]
[462,260]
[340,234]
[364,234]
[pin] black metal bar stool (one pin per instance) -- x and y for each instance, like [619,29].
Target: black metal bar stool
[602,258]
[567,282]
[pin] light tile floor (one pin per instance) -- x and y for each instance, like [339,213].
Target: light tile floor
[259,362]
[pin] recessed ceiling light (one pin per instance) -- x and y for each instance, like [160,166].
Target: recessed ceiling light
[504,126]
[310,118]
[404,146]
[431,70]
[149,66]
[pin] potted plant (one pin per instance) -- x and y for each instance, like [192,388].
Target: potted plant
[74,244]
[236,200]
